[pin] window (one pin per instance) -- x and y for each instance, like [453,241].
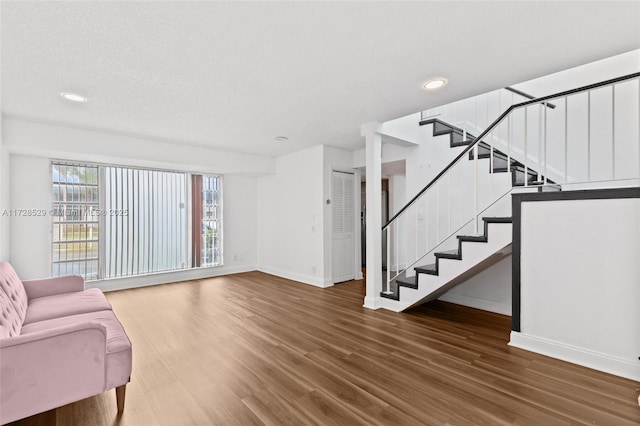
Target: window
[211,229]
[114,221]
[75,225]
[207,220]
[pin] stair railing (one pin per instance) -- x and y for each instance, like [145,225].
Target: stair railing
[592,134]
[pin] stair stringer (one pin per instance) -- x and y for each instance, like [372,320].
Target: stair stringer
[476,256]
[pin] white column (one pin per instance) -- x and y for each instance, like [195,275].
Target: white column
[374,214]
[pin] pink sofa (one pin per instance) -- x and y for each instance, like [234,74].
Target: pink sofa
[59,343]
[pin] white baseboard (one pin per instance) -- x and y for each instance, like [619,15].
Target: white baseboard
[473,302]
[577,355]
[167,277]
[294,276]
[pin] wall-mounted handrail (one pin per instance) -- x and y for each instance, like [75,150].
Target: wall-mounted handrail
[526,95]
[497,122]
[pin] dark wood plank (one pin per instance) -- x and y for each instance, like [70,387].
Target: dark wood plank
[252,349]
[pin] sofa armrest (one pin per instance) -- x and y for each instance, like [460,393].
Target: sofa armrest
[51,286]
[47,369]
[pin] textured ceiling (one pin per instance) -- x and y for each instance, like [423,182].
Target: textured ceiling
[234,75]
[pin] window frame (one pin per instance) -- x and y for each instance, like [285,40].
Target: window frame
[85,209]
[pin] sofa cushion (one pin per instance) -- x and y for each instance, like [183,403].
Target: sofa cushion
[13,289]
[119,358]
[10,323]
[117,339]
[66,304]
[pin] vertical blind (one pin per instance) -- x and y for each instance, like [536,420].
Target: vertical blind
[144,221]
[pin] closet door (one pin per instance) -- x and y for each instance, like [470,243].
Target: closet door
[343,226]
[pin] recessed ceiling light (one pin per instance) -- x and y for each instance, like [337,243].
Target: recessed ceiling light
[434,83]
[281,138]
[74,97]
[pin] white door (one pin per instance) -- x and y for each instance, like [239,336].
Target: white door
[343,226]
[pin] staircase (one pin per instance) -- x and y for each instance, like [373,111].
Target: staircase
[460,222]
[501,162]
[474,253]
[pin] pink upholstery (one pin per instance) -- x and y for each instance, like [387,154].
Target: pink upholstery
[10,322]
[58,343]
[51,286]
[41,371]
[62,305]
[14,293]
[118,344]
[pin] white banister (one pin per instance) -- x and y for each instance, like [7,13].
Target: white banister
[613,131]
[526,154]
[566,140]
[589,135]
[475,188]
[546,172]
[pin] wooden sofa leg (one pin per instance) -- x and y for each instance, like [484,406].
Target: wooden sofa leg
[120,390]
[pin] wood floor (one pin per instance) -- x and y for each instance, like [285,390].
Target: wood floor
[253,349]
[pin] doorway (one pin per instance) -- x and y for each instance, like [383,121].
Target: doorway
[363,220]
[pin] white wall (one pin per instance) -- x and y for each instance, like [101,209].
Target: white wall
[291,207]
[294,220]
[70,143]
[580,275]
[30,239]
[269,222]
[405,128]
[605,69]
[240,222]
[29,185]
[397,193]
[490,290]
[425,161]
[390,153]
[4,198]
[397,200]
